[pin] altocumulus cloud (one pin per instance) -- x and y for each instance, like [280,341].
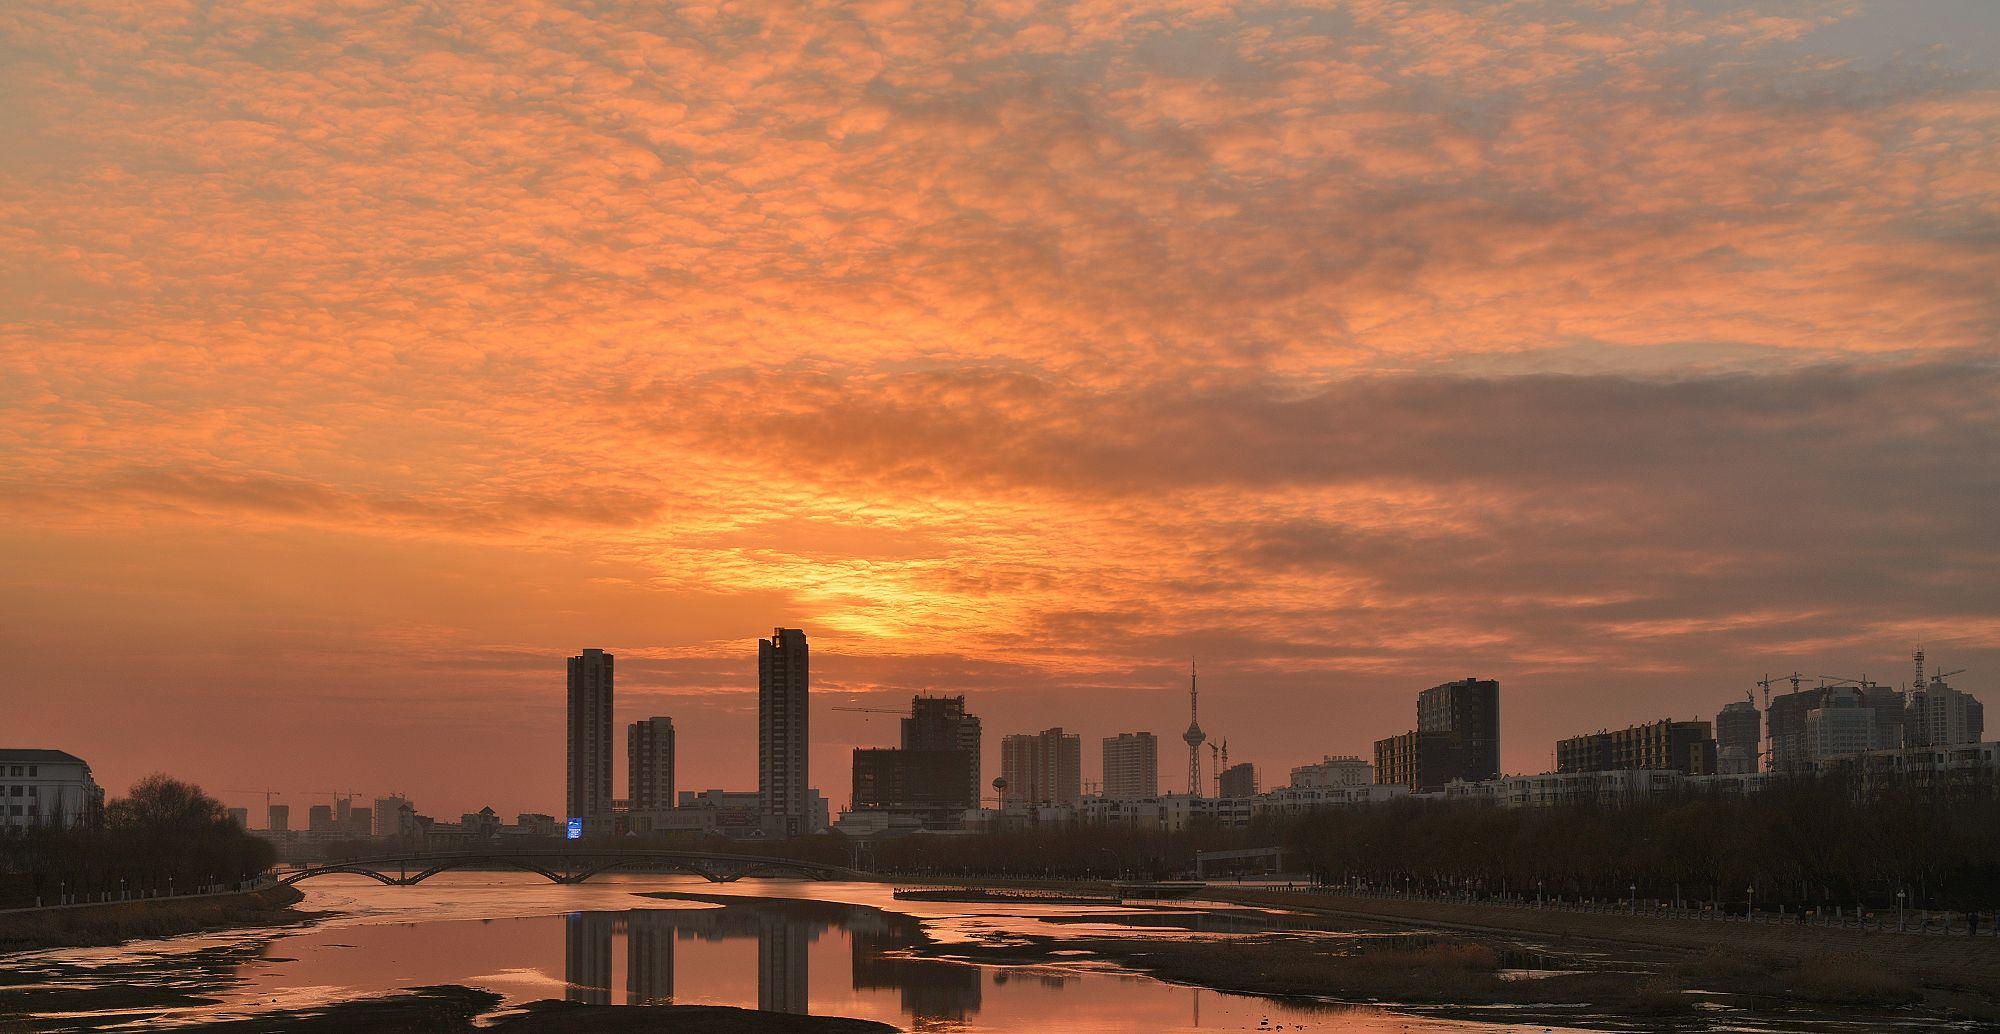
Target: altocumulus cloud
[1015,346]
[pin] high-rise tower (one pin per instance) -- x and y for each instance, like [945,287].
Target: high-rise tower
[1193,737]
[781,732]
[1042,768]
[941,723]
[649,758]
[590,744]
[1131,765]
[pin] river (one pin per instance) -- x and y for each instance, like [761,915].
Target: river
[771,944]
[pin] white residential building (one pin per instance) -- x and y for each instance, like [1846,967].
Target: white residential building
[1939,716]
[46,788]
[1345,770]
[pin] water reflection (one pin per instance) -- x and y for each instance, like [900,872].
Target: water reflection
[784,933]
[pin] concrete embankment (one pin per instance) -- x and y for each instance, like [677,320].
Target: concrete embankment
[113,922]
[1960,959]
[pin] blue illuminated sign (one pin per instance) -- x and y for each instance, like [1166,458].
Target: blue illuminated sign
[576,829]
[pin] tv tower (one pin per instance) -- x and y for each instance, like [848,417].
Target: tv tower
[1193,737]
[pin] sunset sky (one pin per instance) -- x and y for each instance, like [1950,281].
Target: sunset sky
[361,361]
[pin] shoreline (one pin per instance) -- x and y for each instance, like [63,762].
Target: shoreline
[1972,960]
[1968,959]
[111,923]
[1434,957]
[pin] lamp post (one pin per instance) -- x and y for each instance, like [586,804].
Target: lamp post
[1899,911]
[1751,913]
[1632,903]
[1540,901]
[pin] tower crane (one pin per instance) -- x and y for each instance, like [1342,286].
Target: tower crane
[874,710]
[1943,675]
[1766,681]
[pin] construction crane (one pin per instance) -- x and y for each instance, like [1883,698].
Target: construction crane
[268,795]
[1218,752]
[1835,680]
[1766,681]
[875,710]
[1943,675]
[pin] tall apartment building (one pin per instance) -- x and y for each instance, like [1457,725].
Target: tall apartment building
[1237,781]
[1131,766]
[1685,747]
[941,723]
[590,743]
[278,818]
[782,683]
[1331,771]
[649,764]
[393,816]
[1468,710]
[319,818]
[1457,737]
[1739,738]
[1940,716]
[1888,704]
[928,785]
[1042,768]
[1845,723]
[1785,724]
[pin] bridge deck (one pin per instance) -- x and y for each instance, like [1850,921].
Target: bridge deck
[573,866]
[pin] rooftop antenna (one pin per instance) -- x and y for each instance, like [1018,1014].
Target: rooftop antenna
[1193,737]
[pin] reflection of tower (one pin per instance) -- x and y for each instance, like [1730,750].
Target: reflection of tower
[932,992]
[649,956]
[1193,737]
[781,965]
[587,957]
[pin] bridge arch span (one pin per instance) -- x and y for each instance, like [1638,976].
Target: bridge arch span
[568,866]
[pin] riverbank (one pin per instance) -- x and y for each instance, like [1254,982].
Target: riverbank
[434,1010]
[1435,957]
[79,926]
[1945,961]
[1973,961]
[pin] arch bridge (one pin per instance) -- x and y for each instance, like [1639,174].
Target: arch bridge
[573,866]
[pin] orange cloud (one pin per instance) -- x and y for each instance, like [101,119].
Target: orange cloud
[374,357]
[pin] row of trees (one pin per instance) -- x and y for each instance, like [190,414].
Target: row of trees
[1803,843]
[164,836]
[1800,843]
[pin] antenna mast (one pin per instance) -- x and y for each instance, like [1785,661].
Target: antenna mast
[1193,737]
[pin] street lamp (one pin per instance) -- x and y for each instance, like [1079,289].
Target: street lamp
[1632,903]
[1899,911]
[1539,900]
[1751,915]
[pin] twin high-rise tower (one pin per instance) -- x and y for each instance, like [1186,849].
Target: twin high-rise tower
[590,743]
[782,787]
[782,680]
